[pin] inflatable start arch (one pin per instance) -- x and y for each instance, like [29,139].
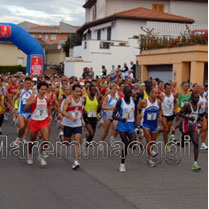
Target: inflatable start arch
[25,42]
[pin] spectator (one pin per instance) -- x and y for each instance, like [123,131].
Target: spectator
[133,68]
[113,73]
[91,73]
[125,71]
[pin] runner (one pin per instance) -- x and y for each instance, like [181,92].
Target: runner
[72,121]
[125,126]
[151,111]
[203,114]
[108,106]
[91,109]
[39,121]
[169,108]
[184,95]
[189,113]
[23,116]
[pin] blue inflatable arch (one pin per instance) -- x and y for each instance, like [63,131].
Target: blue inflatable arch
[25,42]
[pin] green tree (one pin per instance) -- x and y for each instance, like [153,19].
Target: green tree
[73,40]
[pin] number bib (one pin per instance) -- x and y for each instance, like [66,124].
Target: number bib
[151,116]
[128,115]
[92,114]
[76,114]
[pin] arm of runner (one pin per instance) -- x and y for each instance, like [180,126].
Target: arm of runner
[116,110]
[104,104]
[183,112]
[160,111]
[141,105]
[30,101]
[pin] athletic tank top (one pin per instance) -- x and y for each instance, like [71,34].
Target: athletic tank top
[150,113]
[91,107]
[24,96]
[202,107]
[39,110]
[193,114]
[183,99]
[111,103]
[145,95]
[127,110]
[12,89]
[168,105]
[2,107]
[74,110]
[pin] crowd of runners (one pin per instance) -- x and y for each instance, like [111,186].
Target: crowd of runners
[130,108]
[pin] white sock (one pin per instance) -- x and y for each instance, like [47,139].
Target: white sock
[195,162]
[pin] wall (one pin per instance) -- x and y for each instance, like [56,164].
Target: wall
[101,5]
[9,54]
[114,6]
[75,68]
[194,10]
[125,29]
[54,58]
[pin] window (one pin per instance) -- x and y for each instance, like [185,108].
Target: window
[40,36]
[20,61]
[99,35]
[53,37]
[109,33]
[46,37]
[158,7]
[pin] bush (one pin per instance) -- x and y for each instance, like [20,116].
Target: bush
[12,69]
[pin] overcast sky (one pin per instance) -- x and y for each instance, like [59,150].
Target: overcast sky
[42,12]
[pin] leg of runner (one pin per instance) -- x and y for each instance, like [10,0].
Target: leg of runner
[150,137]
[45,136]
[114,133]
[1,122]
[126,139]
[194,138]
[166,126]
[203,133]
[77,138]
[30,154]
[107,124]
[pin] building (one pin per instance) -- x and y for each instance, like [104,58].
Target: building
[50,34]
[186,63]
[50,37]
[112,26]
[11,55]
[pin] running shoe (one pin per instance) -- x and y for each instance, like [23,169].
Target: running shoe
[42,160]
[122,168]
[154,154]
[172,138]
[30,159]
[24,141]
[196,167]
[151,163]
[16,143]
[203,146]
[75,165]
[61,136]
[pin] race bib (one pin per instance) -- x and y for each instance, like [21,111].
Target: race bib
[151,116]
[92,114]
[24,101]
[76,114]
[128,115]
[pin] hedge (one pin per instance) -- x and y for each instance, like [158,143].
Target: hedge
[12,69]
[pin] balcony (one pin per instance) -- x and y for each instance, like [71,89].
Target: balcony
[107,44]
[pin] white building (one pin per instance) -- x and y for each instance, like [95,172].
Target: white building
[111,25]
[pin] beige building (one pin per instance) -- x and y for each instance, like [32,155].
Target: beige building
[178,64]
[11,55]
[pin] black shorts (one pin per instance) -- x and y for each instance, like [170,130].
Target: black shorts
[92,122]
[170,118]
[69,131]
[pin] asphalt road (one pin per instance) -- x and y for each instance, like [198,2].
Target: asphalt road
[98,183]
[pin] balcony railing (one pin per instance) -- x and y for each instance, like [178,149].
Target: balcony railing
[107,44]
